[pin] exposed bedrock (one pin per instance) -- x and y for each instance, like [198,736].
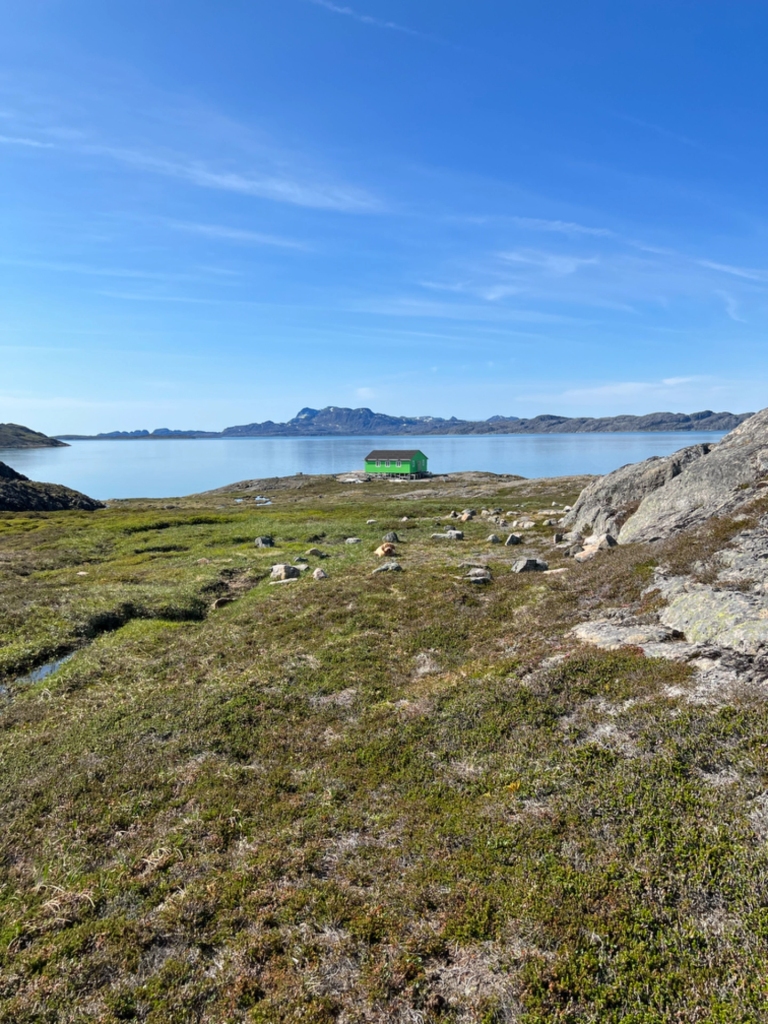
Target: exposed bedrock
[606,504]
[653,499]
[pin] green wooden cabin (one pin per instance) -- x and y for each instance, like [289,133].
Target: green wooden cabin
[411,463]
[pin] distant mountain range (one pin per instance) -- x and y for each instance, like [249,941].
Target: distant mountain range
[334,420]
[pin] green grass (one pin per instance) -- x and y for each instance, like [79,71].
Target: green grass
[271,813]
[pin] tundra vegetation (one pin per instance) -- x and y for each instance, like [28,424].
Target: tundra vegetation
[404,796]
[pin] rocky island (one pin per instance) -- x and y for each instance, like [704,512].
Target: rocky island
[473,748]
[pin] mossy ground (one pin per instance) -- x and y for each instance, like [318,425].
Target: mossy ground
[363,798]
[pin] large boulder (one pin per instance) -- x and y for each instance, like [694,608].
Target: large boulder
[284,571]
[653,499]
[20,494]
[716,485]
[609,501]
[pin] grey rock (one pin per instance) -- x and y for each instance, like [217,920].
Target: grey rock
[264,542]
[586,554]
[601,541]
[300,560]
[493,539]
[605,504]
[676,651]
[479,575]
[388,567]
[319,574]
[314,553]
[558,538]
[449,535]
[529,565]
[353,540]
[391,538]
[747,558]
[716,485]
[726,618]
[283,571]
[513,538]
[610,636]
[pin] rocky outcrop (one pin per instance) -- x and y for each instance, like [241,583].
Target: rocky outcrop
[20,494]
[716,485]
[606,504]
[6,473]
[656,498]
[719,629]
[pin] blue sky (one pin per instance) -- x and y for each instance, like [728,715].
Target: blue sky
[219,213]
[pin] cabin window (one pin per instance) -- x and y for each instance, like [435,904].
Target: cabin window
[378,462]
[399,462]
[387,462]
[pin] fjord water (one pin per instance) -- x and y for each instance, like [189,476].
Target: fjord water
[165,469]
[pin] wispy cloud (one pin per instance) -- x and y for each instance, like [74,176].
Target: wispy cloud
[367,19]
[13,140]
[553,262]
[563,227]
[184,299]
[410,307]
[253,168]
[660,130]
[238,235]
[746,272]
[91,270]
[627,388]
[731,306]
[318,194]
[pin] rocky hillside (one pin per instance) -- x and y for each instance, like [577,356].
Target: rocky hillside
[13,435]
[20,494]
[654,499]
[334,420]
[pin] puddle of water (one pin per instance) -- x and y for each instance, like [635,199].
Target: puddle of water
[44,670]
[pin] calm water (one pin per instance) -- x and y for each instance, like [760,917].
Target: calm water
[164,469]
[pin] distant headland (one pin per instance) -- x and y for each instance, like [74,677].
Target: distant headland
[13,435]
[336,421]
